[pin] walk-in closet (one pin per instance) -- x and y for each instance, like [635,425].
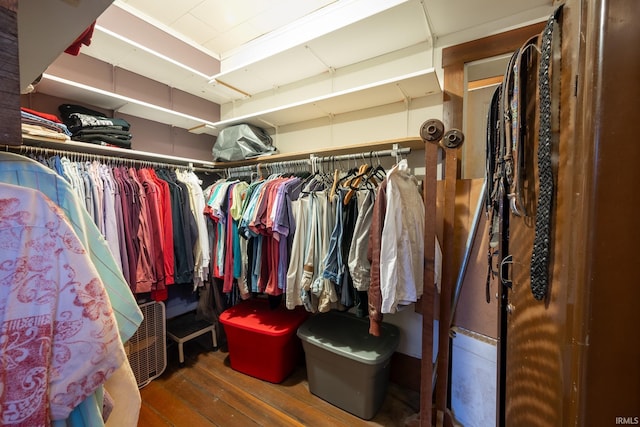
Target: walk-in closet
[318,213]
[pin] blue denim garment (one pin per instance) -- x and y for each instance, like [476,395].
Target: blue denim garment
[332,263]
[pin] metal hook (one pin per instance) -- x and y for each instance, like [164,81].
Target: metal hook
[506,260]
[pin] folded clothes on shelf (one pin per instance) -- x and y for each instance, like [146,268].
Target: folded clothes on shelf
[94,127]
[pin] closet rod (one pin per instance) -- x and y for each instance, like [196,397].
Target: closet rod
[365,155]
[179,162]
[308,162]
[117,153]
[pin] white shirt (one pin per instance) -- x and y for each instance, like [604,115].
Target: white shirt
[402,247]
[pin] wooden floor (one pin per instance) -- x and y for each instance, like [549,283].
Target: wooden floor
[207,392]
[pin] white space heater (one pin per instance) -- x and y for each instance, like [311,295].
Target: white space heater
[147,348]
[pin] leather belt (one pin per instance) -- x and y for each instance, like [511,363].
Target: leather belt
[493,178]
[542,240]
[518,126]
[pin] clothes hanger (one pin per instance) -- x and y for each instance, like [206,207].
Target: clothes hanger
[354,185]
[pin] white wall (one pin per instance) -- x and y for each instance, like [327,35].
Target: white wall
[390,121]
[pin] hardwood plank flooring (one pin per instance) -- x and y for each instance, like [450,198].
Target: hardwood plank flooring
[206,391]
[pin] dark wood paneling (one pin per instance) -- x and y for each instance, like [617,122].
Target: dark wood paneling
[609,121]
[539,332]
[487,47]
[405,371]
[9,75]
[572,360]
[453,61]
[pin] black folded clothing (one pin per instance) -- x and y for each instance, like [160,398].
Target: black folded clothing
[104,139]
[67,109]
[77,117]
[92,126]
[103,130]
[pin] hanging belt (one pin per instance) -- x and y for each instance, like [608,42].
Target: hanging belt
[509,113]
[493,178]
[542,240]
[518,126]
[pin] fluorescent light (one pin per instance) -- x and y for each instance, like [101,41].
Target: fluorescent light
[125,99]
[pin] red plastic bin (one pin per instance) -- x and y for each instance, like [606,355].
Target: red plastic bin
[262,341]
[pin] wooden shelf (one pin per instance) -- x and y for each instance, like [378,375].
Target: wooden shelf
[64,88]
[398,89]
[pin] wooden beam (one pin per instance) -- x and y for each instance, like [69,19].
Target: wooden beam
[10,130]
[482,83]
[11,5]
[497,44]
[428,295]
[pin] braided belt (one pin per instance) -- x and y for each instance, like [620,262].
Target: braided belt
[542,239]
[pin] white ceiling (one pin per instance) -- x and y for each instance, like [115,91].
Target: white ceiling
[308,38]
[265,45]
[224,26]
[221,26]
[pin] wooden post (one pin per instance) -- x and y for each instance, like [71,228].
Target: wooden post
[10,132]
[428,295]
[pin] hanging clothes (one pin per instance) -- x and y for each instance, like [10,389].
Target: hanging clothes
[312,245]
[166,221]
[148,218]
[254,230]
[197,204]
[396,246]
[373,254]
[52,288]
[295,271]
[217,198]
[358,264]
[145,268]
[28,173]
[19,170]
[184,227]
[402,246]
[313,290]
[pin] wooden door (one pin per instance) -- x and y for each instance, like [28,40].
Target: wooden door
[574,359]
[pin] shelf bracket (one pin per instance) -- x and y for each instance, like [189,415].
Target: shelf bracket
[406,98]
[269,124]
[327,66]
